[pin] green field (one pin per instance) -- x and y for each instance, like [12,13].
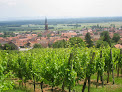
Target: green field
[58,27]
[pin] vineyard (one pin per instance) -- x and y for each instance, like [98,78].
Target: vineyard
[60,67]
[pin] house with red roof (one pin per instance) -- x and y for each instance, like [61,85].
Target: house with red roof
[1,38]
[68,35]
[44,43]
[119,46]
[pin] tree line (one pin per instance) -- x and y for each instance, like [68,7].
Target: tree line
[104,40]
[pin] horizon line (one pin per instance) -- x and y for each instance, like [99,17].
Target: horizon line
[25,18]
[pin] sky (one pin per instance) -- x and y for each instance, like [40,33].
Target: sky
[59,8]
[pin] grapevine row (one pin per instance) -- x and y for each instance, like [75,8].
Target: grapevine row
[59,66]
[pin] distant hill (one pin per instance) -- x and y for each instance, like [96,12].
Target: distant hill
[64,21]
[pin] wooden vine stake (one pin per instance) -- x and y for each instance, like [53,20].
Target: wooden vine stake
[97,79]
[112,66]
[102,73]
[118,68]
[70,63]
[52,85]
[34,82]
[41,84]
[63,87]
[121,58]
[98,74]
[93,55]
[88,76]
[84,85]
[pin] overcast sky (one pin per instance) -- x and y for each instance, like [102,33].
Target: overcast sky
[60,8]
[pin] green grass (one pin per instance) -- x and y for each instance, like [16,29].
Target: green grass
[17,89]
[117,87]
[58,26]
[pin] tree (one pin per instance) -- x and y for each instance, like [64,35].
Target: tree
[39,35]
[101,43]
[76,42]
[48,35]
[116,37]
[13,47]
[59,44]
[6,47]
[37,46]
[0,46]
[88,40]
[9,46]
[9,34]
[105,37]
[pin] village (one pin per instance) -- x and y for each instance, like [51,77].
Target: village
[24,40]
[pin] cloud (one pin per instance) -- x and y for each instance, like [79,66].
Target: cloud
[15,8]
[8,2]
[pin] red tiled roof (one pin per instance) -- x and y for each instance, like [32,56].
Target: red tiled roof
[43,38]
[34,35]
[118,46]
[52,34]
[69,35]
[82,37]
[66,39]
[46,32]
[44,43]
[1,33]
[1,38]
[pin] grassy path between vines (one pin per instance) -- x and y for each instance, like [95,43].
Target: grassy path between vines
[108,87]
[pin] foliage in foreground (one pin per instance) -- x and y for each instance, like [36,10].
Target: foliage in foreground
[58,66]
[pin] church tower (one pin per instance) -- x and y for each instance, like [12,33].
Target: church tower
[46,24]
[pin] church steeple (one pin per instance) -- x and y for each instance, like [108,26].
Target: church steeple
[46,24]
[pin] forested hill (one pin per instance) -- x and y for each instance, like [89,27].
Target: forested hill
[64,21]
